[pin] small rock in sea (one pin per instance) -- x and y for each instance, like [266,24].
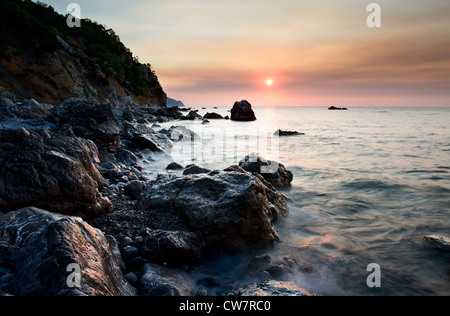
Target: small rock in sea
[287,133]
[438,242]
[336,108]
[242,111]
[213,116]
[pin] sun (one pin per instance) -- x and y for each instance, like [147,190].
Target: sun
[269,82]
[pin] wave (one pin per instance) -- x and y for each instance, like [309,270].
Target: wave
[368,184]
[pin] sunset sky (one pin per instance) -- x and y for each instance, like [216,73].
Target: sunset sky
[316,52]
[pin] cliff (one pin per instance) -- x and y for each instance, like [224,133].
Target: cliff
[42,58]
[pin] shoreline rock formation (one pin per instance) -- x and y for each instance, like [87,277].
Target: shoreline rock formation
[76,170]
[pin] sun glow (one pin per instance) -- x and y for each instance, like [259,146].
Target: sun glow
[269,82]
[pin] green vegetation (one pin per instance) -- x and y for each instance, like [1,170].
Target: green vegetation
[31,28]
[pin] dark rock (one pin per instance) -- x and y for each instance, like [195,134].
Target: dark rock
[287,133]
[127,115]
[234,168]
[127,157]
[130,131]
[45,244]
[8,108]
[175,248]
[135,188]
[94,121]
[193,115]
[234,211]
[272,171]
[129,253]
[281,270]
[11,96]
[157,280]
[438,242]
[44,169]
[336,108]
[180,133]
[273,288]
[195,169]
[242,111]
[31,109]
[174,166]
[155,142]
[213,116]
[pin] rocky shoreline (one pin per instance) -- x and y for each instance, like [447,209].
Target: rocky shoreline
[74,193]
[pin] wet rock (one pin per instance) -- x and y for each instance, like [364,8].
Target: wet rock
[233,211]
[94,121]
[193,116]
[273,288]
[11,96]
[174,166]
[158,280]
[131,130]
[195,169]
[45,244]
[47,170]
[175,248]
[272,171]
[155,142]
[287,133]
[135,188]
[31,109]
[8,108]
[242,111]
[438,242]
[180,133]
[128,158]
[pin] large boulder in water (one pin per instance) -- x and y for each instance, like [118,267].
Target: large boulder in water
[234,211]
[242,111]
[44,249]
[94,121]
[45,169]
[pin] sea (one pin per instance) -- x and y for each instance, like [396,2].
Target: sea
[369,184]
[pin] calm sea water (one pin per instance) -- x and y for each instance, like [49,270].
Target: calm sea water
[369,184]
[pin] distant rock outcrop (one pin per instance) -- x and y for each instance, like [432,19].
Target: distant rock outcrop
[333,108]
[242,111]
[172,103]
[51,62]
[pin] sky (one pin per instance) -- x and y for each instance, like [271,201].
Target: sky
[316,52]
